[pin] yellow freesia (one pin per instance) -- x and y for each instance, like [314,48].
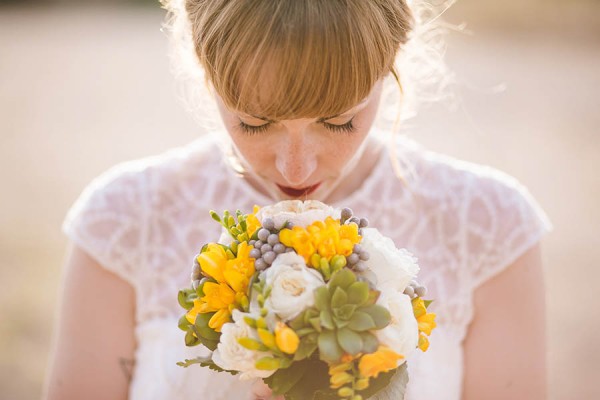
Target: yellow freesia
[425,321]
[212,262]
[383,360]
[286,339]
[237,271]
[325,238]
[220,318]
[252,223]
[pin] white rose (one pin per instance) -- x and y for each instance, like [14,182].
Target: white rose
[393,267]
[292,285]
[402,334]
[231,355]
[300,213]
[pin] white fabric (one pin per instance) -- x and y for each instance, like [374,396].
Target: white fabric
[146,219]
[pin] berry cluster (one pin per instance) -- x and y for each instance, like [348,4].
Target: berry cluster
[268,245]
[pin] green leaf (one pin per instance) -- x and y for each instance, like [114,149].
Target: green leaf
[311,383]
[345,311]
[358,293]
[370,342]
[350,341]
[190,339]
[183,323]
[339,298]
[427,302]
[205,362]
[305,349]
[380,315]
[183,298]
[282,381]
[383,380]
[326,319]
[298,322]
[361,321]
[373,297]
[202,327]
[329,348]
[322,299]
[342,278]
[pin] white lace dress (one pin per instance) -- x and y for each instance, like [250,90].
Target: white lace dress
[145,220]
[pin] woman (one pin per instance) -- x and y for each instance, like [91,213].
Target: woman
[298,87]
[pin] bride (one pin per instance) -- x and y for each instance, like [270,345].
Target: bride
[298,87]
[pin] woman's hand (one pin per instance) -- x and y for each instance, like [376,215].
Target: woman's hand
[263,392]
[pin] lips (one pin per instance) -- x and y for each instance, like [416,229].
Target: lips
[294,192]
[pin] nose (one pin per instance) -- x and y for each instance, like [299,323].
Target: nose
[296,158]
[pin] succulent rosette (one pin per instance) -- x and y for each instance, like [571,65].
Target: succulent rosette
[307,298]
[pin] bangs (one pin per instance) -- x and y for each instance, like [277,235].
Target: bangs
[295,59]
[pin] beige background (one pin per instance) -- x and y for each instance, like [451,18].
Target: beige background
[84,88]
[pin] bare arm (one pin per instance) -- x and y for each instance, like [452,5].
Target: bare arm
[94,342]
[505,348]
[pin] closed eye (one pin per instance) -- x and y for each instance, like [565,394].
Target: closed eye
[347,128]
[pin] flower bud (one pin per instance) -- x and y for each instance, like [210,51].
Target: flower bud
[286,339]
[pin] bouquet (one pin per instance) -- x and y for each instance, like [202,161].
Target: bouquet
[309,299]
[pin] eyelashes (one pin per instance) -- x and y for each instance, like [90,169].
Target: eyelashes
[346,128]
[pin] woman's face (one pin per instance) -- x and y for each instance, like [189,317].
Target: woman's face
[303,157]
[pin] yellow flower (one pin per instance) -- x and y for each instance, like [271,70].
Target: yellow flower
[286,339]
[216,296]
[425,321]
[221,317]
[383,360]
[252,223]
[299,239]
[237,271]
[212,262]
[325,238]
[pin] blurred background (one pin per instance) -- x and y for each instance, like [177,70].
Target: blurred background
[84,85]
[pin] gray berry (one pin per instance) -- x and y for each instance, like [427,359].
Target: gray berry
[364,255]
[279,248]
[409,291]
[346,214]
[268,223]
[258,244]
[260,264]
[252,242]
[357,248]
[195,284]
[255,253]
[289,250]
[265,248]
[355,220]
[421,291]
[263,234]
[269,257]
[352,259]
[360,266]
[288,224]
[363,223]
[273,239]
[196,270]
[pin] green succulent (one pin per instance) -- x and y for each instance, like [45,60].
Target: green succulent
[342,320]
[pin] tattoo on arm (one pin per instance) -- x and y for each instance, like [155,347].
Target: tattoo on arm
[126,365]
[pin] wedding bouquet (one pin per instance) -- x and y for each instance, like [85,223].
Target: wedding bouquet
[307,298]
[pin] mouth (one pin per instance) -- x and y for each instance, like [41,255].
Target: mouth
[298,192]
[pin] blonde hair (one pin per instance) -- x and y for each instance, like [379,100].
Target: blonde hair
[322,56]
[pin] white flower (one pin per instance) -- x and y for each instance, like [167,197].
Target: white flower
[293,284]
[300,213]
[231,355]
[402,334]
[393,267]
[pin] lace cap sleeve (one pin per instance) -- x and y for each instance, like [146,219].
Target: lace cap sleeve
[503,220]
[106,220]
